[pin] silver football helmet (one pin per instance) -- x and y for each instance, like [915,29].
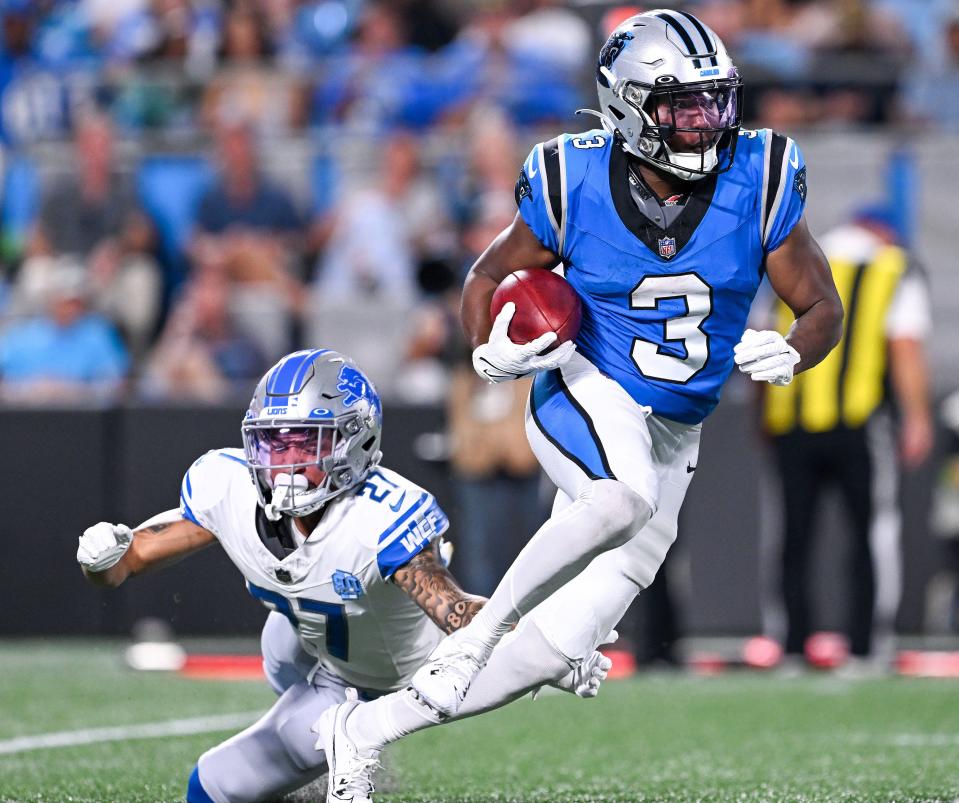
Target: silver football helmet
[312,432]
[669,90]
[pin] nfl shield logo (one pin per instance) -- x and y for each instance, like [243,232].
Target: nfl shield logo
[667,247]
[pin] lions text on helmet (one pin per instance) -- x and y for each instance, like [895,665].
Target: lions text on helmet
[668,89]
[312,432]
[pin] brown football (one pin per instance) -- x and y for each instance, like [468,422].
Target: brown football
[545,302]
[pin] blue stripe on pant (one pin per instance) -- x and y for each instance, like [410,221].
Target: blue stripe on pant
[566,425]
[195,793]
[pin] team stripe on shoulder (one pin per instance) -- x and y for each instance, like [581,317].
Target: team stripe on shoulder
[186,489]
[548,157]
[186,497]
[391,532]
[409,535]
[563,194]
[554,160]
[554,183]
[188,512]
[775,165]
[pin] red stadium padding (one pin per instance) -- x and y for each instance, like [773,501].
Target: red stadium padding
[624,664]
[223,667]
[928,664]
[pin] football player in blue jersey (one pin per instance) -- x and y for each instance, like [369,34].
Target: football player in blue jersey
[342,551]
[665,220]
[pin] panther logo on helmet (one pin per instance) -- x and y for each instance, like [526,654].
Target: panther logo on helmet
[613,47]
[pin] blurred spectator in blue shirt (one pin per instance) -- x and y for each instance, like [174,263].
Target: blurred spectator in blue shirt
[48,68]
[242,198]
[495,61]
[314,30]
[68,353]
[27,103]
[93,214]
[930,93]
[249,230]
[371,86]
[201,354]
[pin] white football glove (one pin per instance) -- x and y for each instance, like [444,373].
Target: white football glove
[584,681]
[766,357]
[500,359]
[102,545]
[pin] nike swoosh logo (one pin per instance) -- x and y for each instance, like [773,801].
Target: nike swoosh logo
[395,508]
[794,158]
[690,469]
[532,169]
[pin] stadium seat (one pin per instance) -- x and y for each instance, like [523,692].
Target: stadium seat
[170,187]
[21,202]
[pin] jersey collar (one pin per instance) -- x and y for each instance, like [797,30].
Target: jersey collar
[645,230]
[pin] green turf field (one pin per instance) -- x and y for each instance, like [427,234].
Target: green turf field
[739,737]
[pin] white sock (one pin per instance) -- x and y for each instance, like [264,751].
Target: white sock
[559,551]
[525,660]
[380,722]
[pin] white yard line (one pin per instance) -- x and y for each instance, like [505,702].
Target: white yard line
[905,739]
[925,740]
[147,730]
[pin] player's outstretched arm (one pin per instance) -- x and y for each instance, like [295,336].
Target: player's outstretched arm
[799,273]
[110,553]
[515,248]
[431,586]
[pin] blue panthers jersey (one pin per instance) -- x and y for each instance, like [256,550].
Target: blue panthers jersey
[662,308]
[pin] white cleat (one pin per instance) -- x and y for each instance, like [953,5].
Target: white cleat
[443,681]
[351,769]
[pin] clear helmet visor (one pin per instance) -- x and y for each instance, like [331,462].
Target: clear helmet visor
[283,449]
[687,126]
[292,463]
[703,114]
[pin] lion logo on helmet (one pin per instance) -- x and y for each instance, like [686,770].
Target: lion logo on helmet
[355,386]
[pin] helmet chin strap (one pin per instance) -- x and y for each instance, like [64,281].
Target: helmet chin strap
[705,161]
[671,161]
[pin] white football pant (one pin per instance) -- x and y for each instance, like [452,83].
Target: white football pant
[585,430]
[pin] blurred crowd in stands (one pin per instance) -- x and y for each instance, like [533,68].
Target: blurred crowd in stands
[191,188]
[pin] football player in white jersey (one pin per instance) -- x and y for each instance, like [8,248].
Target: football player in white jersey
[345,554]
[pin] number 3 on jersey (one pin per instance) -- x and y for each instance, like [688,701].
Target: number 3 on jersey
[680,304]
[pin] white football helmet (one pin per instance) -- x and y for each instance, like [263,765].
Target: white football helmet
[318,403]
[669,90]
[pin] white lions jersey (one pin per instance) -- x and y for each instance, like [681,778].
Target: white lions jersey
[334,587]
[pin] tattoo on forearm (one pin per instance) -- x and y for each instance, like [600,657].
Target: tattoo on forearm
[462,614]
[431,586]
[159,528]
